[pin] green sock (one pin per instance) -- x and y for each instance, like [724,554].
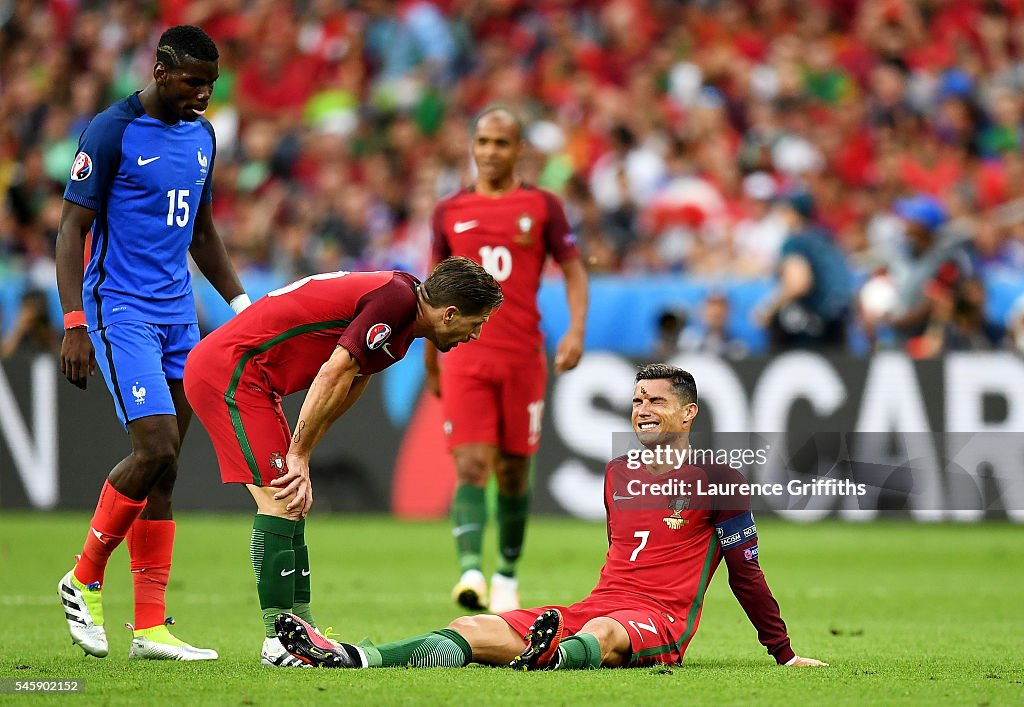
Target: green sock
[469,515]
[437,649]
[512,514]
[300,607]
[579,652]
[274,563]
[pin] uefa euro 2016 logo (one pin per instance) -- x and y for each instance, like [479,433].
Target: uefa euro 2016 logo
[82,167]
[377,335]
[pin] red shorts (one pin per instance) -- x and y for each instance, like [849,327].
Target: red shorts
[496,401]
[249,431]
[654,636]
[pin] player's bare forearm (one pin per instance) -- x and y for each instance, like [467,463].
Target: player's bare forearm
[75,222]
[355,391]
[327,399]
[576,294]
[332,392]
[211,256]
[570,348]
[77,358]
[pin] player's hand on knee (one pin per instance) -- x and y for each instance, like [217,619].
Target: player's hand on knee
[290,484]
[308,499]
[799,662]
[77,357]
[295,484]
[302,501]
[296,487]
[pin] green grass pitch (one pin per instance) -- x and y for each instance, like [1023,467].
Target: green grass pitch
[905,613]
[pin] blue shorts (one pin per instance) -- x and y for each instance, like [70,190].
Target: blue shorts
[137,360]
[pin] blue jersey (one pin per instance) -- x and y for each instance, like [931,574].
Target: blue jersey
[145,180]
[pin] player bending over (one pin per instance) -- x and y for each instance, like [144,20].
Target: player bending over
[328,333]
[646,606]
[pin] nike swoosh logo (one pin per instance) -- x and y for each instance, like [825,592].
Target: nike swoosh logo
[99,535]
[285,573]
[143,163]
[617,497]
[305,573]
[463,529]
[388,351]
[463,226]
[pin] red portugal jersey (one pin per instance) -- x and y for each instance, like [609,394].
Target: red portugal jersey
[664,549]
[510,236]
[284,338]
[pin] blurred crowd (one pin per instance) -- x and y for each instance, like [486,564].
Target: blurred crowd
[828,144]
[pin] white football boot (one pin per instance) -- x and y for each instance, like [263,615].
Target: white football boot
[83,609]
[275,656]
[157,643]
[504,594]
[471,591]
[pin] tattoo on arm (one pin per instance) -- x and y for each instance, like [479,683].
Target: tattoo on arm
[297,437]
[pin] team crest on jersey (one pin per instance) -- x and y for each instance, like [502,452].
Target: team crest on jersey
[204,161]
[677,506]
[277,463]
[525,225]
[82,167]
[377,335]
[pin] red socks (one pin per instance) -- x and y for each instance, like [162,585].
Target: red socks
[114,515]
[150,543]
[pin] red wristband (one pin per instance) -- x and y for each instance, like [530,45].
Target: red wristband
[75,320]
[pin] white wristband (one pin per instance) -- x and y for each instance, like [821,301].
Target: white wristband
[240,302]
[792,660]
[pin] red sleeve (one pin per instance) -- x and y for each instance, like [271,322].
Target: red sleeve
[392,305]
[439,247]
[558,237]
[737,534]
[751,590]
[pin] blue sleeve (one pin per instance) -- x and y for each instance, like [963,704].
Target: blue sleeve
[97,162]
[207,195]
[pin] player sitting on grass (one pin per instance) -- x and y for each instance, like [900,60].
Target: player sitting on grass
[662,553]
